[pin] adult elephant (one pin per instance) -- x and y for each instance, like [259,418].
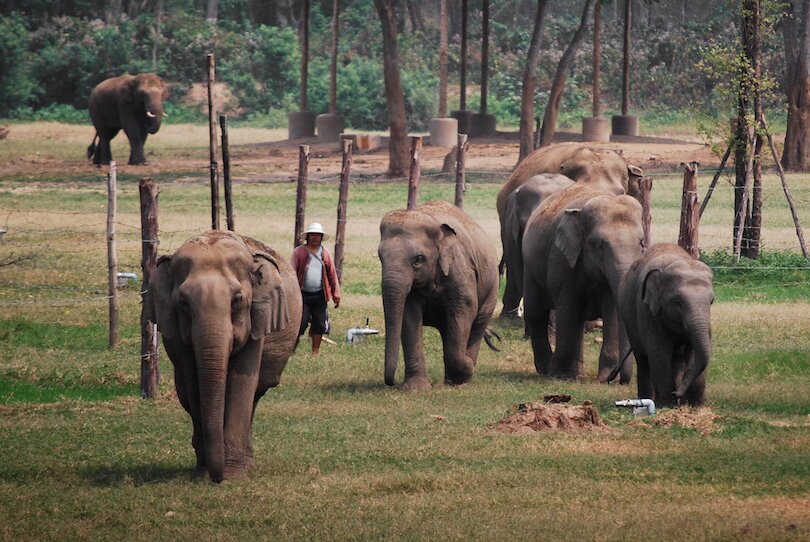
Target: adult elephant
[229,308]
[133,103]
[519,207]
[440,269]
[576,247]
[601,168]
[665,301]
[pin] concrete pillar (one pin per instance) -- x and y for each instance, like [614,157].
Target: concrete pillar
[624,125]
[301,124]
[464,118]
[329,127]
[595,129]
[482,125]
[443,132]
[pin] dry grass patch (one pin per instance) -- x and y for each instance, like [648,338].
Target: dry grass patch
[701,420]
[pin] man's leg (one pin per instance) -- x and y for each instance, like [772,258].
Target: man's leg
[316,343]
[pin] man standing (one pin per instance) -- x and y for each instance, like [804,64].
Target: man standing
[317,278]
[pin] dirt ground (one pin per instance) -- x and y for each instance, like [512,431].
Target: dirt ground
[278,160]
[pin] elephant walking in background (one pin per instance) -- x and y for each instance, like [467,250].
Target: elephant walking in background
[665,301]
[133,103]
[229,308]
[519,207]
[576,247]
[440,269]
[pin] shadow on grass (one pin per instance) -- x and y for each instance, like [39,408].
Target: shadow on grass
[137,475]
[354,386]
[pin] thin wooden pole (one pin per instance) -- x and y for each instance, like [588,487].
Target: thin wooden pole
[537,130]
[646,209]
[463,60]
[343,199]
[226,173]
[333,67]
[212,145]
[442,58]
[413,176]
[484,55]
[461,174]
[597,54]
[150,365]
[742,211]
[716,177]
[304,54]
[301,194]
[112,256]
[690,216]
[786,190]
[628,19]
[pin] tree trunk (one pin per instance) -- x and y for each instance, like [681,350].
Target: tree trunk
[212,11]
[415,13]
[484,55]
[304,55]
[628,21]
[398,129]
[597,53]
[742,216]
[442,58]
[558,83]
[796,155]
[529,81]
[333,65]
[753,229]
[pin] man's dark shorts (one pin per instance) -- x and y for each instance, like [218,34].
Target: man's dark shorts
[314,313]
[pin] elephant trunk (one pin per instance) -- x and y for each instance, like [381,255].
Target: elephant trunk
[395,292]
[624,368]
[212,355]
[700,337]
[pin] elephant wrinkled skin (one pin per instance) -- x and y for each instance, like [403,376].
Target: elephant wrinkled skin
[519,207]
[576,247]
[439,269]
[133,103]
[229,309]
[665,301]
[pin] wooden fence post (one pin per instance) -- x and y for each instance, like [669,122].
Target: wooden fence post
[343,198]
[226,173]
[690,212]
[461,174]
[646,209]
[112,256]
[212,145]
[413,176]
[301,193]
[150,366]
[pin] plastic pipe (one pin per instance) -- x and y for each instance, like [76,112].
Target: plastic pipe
[649,404]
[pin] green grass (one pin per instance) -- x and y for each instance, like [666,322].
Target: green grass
[341,456]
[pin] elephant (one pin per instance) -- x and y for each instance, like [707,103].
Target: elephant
[519,207]
[665,301]
[229,308]
[576,247]
[131,102]
[603,168]
[440,269]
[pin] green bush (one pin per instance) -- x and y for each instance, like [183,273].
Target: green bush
[16,82]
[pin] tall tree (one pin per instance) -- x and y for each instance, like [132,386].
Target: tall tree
[529,83]
[560,75]
[212,11]
[796,31]
[398,128]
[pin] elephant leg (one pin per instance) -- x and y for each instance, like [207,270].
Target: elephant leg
[696,394]
[458,366]
[645,387]
[536,318]
[570,334]
[513,289]
[136,139]
[609,354]
[412,347]
[243,378]
[103,155]
[660,357]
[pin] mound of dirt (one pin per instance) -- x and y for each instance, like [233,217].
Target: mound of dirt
[539,416]
[701,420]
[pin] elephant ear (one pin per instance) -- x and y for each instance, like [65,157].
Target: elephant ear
[513,217]
[128,90]
[651,291]
[634,171]
[568,238]
[269,310]
[447,248]
[160,296]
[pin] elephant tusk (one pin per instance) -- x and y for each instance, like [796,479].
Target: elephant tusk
[150,115]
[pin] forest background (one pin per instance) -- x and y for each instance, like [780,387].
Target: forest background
[52,54]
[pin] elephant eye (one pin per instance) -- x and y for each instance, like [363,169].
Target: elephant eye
[419,259]
[237,300]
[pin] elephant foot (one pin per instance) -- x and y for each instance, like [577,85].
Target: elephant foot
[510,316]
[236,472]
[416,384]
[564,375]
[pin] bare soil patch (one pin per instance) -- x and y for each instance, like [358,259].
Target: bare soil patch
[539,416]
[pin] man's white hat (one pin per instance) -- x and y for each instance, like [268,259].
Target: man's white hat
[315,227]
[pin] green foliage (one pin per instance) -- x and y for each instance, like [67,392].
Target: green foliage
[16,81]
[54,112]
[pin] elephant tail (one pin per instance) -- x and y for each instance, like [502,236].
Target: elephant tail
[488,334]
[502,265]
[617,369]
[91,149]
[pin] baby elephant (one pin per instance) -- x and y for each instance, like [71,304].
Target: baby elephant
[665,300]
